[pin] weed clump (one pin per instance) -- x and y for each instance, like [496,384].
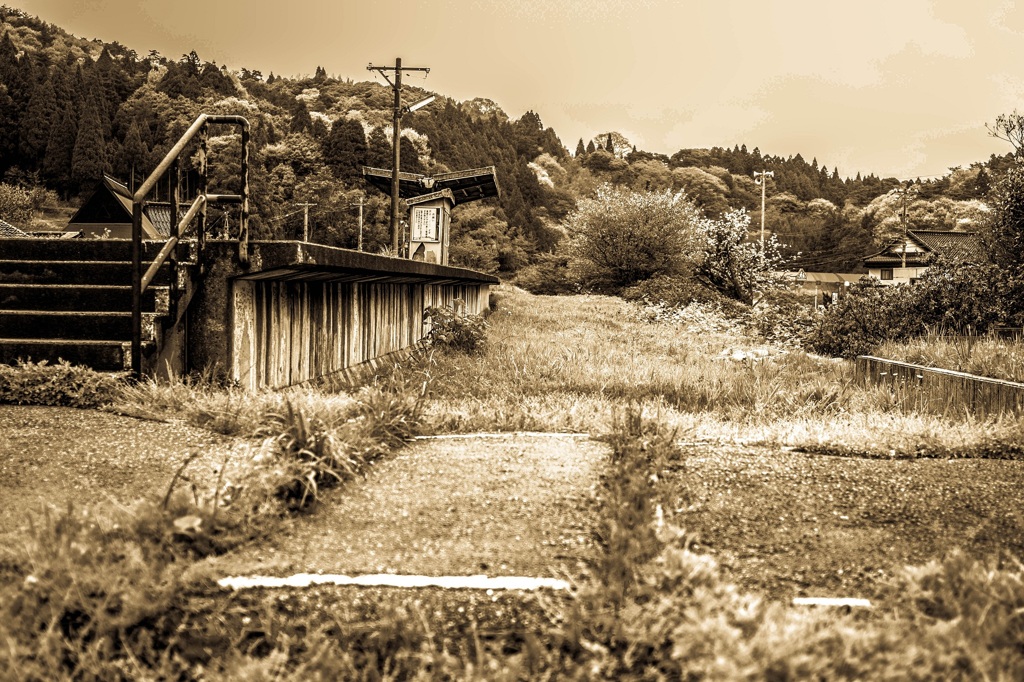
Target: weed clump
[451,329]
[61,384]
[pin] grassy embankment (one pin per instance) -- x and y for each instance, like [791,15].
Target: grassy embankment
[114,594]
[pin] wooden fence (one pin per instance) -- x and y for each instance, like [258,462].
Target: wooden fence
[942,390]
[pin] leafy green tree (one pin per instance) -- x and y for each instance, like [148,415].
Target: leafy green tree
[621,237]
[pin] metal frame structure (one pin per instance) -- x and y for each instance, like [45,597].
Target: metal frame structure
[168,253]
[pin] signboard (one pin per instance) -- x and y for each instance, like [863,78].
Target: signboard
[424,224]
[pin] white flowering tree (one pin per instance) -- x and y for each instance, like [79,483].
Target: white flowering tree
[734,265]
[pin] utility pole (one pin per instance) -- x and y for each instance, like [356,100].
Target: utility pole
[360,245]
[761,178]
[903,216]
[397,132]
[305,220]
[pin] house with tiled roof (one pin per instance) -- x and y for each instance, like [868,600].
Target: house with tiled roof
[8,230]
[108,214]
[906,259]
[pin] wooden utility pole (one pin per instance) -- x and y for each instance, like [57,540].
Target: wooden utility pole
[305,220]
[396,136]
[763,181]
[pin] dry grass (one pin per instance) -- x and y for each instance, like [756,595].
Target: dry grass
[568,364]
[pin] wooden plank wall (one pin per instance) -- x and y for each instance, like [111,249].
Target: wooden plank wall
[290,332]
[942,390]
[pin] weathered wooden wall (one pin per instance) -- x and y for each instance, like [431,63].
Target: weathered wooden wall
[289,332]
[943,390]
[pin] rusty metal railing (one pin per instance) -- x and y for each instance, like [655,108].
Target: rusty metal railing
[168,254]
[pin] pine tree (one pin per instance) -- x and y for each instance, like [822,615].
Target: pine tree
[590,147]
[580,149]
[134,153]
[609,146]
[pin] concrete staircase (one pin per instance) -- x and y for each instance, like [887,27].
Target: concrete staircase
[70,299]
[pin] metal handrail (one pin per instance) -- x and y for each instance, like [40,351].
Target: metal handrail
[140,280]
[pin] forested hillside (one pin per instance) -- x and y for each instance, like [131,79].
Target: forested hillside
[73,109]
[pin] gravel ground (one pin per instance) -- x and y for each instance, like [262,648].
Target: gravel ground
[511,505]
[790,524]
[56,455]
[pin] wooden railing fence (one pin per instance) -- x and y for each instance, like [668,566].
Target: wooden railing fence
[942,390]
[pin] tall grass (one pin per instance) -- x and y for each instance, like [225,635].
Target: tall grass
[985,356]
[558,364]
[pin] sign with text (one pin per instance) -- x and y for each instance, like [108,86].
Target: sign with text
[424,224]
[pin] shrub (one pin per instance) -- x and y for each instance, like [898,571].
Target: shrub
[679,292]
[62,384]
[783,317]
[548,276]
[452,330]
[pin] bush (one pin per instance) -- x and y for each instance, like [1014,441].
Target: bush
[681,291]
[63,384]
[452,330]
[953,296]
[783,317]
[548,276]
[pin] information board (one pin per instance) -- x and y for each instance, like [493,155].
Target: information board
[424,224]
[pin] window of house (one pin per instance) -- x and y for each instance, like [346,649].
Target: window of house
[886,273]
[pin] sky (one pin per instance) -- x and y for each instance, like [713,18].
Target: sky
[899,88]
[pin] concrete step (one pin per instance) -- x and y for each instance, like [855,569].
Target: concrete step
[104,356]
[84,249]
[70,272]
[79,297]
[94,326]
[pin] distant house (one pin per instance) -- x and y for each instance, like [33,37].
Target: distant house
[8,230]
[108,214]
[906,259]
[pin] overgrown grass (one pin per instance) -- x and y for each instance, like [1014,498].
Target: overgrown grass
[553,364]
[985,356]
[115,593]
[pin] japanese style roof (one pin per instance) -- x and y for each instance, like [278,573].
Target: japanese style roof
[963,246]
[466,185]
[424,198]
[8,230]
[111,204]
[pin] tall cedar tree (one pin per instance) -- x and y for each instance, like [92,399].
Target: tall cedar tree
[89,155]
[378,149]
[345,150]
[37,122]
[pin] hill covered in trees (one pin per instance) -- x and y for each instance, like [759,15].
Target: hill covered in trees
[72,109]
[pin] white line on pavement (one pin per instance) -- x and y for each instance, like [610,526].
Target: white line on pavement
[463,582]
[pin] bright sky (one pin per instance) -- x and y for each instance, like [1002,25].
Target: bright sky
[900,88]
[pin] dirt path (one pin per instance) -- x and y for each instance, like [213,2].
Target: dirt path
[53,455]
[517,504]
